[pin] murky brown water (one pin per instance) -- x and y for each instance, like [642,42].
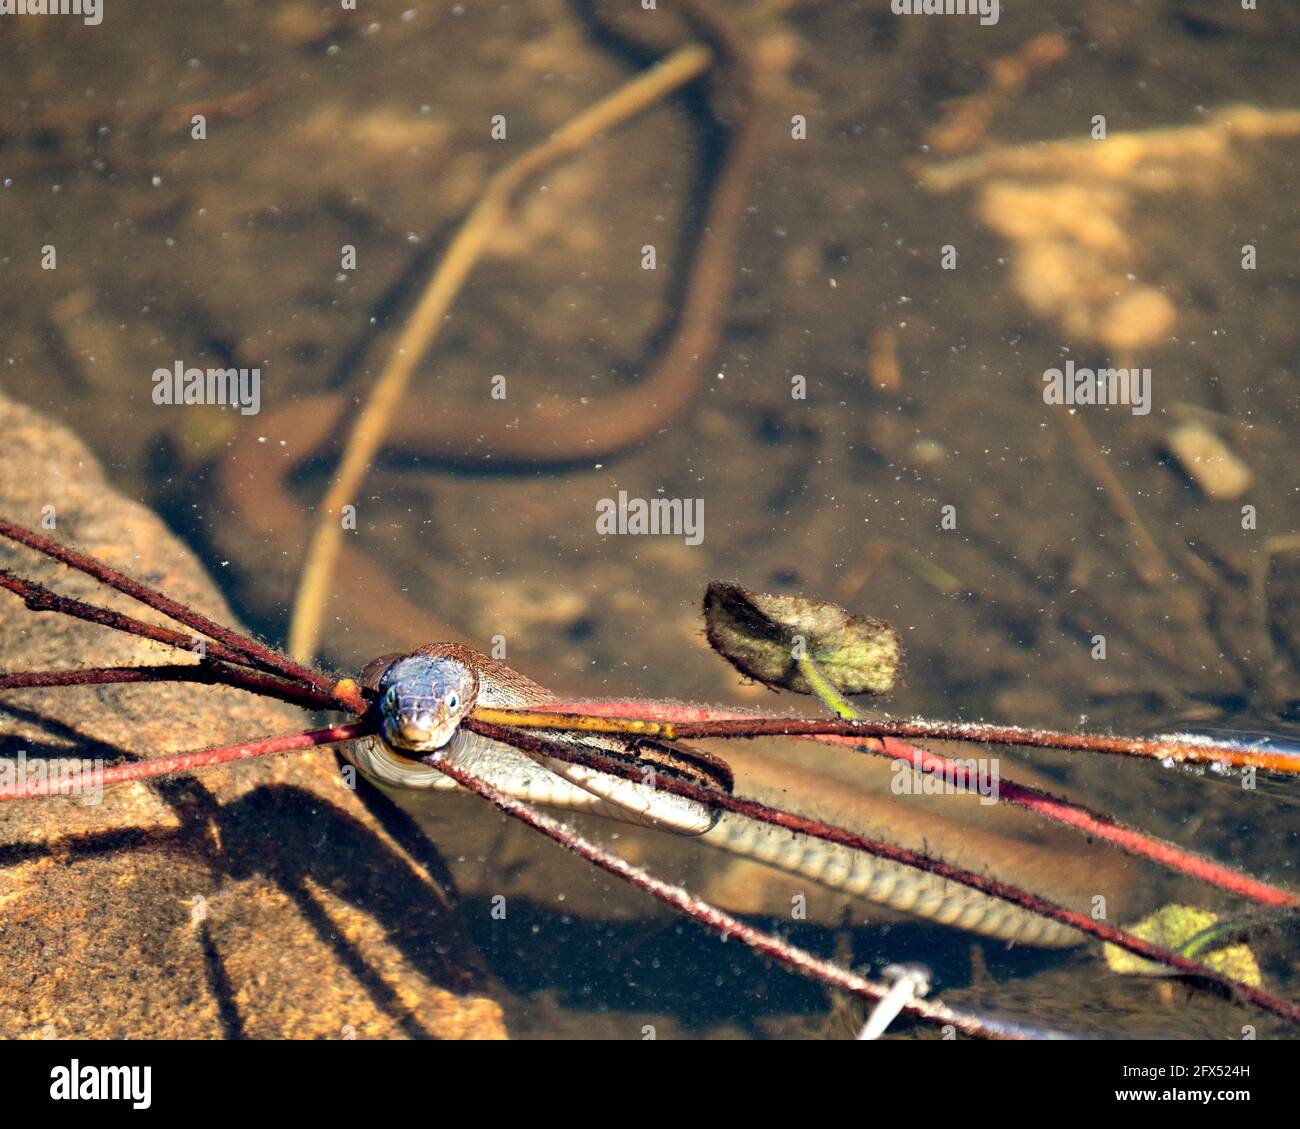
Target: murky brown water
[372,131]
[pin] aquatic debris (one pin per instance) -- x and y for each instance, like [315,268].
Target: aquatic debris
[1209,462]
[765,636]
[1173,926]
[1070,210]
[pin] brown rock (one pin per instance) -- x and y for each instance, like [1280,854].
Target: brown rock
[259,900]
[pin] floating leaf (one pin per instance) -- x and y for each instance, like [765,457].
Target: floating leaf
[763,636]
[1172,927]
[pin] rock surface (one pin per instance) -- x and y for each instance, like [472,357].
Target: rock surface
[260,900]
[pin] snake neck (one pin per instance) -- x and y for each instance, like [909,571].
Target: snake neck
[497,685]
[534,776]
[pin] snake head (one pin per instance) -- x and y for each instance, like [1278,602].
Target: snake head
[422,699]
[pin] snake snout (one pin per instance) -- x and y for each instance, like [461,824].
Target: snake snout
[421,728]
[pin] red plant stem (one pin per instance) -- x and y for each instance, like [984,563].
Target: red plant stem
[791,956]
[40,599]
[705,723]
[259,654]
[204,758]
[208,673]
[805,825]
[796,959]
[1033,799]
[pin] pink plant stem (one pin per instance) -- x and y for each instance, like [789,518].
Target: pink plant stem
[1042,803]
[204,758]
[1102,827]
[696,723]
[791,956]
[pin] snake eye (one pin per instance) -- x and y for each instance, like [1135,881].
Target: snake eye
[453,699]
[390,698]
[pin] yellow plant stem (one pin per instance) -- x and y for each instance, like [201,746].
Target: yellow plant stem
[830,697]
[574,722]
[371,425]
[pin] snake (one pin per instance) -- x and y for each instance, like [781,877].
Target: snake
[253,477]
[423,697]
[426,694]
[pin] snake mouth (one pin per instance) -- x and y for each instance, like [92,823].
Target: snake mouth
[417,736]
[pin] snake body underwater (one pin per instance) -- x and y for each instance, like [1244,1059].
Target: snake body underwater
[424,696]
[254,476]
[254,483]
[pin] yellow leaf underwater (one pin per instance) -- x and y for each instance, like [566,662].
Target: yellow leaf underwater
[1172,927]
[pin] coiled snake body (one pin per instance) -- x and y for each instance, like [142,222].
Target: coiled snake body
[424,696]
[433,688]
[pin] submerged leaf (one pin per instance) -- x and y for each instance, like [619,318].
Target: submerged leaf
[1172,927]
[764,636]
